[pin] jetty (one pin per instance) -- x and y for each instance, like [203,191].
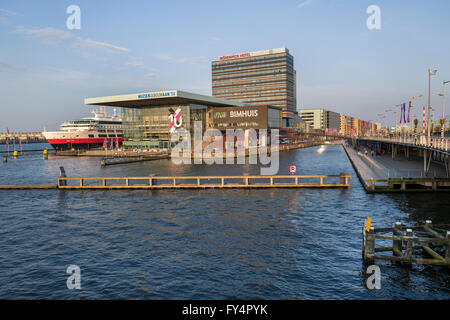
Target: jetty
[205,182]
[381,173]
[424,244]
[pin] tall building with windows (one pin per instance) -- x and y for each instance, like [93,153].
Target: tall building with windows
[265,77]
[321,119]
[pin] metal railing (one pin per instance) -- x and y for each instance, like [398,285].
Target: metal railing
[437,143]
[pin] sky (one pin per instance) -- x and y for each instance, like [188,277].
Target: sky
[46,69]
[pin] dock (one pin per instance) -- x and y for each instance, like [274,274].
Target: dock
[125,160]
[376,175]
[205,182]
[28,187]
[426,244]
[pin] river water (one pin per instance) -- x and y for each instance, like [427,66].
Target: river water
[204,244]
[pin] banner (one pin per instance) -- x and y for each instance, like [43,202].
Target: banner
[404,112]
[409,111]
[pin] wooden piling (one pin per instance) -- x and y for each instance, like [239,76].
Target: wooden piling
[397,244]
[369,244]
[62,174]
[408,251]
[403,246]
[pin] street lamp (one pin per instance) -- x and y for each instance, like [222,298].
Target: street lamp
[401,106]
[412,104]
[443,109]
[430,73]
[387,121]
[394,124]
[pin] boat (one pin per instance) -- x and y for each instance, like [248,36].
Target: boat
[87,133]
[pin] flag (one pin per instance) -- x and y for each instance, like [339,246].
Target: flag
[409,111]
[104,144]
[117,143]
[404,113]
[7,143]
[111,146]
[401,114]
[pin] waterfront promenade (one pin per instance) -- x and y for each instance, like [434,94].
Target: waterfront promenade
[384,167]
[382,173]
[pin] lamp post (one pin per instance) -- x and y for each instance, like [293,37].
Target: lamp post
[401,106]
[387,120]
[443,109]
[395,125]
[412,104]
[430,73]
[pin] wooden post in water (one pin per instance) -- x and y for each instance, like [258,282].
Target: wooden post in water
[408,252]
[152,181]
[246,179]
[369,244]
[62,174]
[343,179]
[397,244]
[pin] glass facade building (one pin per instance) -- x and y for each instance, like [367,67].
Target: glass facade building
[149,127]
[264,77]
[149,119]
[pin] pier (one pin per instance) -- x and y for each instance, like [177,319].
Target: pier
[25,137]
[397,171]
[206,182]
[409,244]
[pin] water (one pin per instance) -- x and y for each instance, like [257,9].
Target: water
[204,244]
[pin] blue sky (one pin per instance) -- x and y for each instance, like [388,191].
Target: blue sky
[47,70]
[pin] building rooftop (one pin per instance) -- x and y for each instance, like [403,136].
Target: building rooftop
[155,98]
[253,54]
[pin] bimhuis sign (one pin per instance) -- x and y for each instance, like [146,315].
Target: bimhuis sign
[238,118]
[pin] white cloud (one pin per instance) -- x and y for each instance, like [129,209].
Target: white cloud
[136,64]
[10,12]
[62,37]
[304,3]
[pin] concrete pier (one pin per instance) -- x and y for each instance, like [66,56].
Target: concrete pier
[396,172]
